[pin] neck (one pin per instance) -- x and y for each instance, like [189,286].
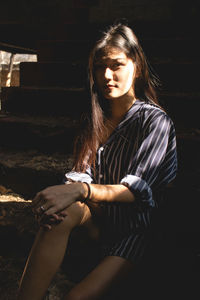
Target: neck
[120,106]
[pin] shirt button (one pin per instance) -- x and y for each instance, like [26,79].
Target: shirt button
[100,176]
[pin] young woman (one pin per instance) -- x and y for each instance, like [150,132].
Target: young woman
[124,159]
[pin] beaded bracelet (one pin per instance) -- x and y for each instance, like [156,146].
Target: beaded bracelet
[89,192]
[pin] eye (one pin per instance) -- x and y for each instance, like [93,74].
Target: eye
[116,65]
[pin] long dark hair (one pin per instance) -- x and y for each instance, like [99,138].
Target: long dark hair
[122,37]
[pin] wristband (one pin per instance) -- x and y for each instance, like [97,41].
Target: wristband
[88,194]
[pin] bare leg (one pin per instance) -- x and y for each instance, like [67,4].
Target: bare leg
[109,273]
[48,252]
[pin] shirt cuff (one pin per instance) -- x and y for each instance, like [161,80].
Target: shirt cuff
[77,176]
[140,189]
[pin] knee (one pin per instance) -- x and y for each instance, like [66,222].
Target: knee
[75,214]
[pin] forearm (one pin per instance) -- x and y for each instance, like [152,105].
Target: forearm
[110,193]
[55,199]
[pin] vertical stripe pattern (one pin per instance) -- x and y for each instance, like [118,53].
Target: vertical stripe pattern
[140,153]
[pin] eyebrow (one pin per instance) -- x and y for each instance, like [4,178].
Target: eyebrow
[118,58]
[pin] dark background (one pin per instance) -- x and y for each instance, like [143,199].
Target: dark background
[39,117]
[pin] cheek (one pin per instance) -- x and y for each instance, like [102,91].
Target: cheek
[128,78]
[132,74]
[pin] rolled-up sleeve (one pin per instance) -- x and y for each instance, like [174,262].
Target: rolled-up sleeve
[139,188]
[155,160]
[78,176]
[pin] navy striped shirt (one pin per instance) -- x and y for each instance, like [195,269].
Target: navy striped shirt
[140,153]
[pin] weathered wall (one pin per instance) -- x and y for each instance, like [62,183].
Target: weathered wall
[144,10]
[42,11]
[12,79]
[23,22]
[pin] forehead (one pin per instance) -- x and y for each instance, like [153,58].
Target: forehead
[111,53]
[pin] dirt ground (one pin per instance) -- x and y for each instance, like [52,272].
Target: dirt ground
[10,272]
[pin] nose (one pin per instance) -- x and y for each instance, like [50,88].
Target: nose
[108,73]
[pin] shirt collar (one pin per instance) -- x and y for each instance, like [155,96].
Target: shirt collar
[132,114]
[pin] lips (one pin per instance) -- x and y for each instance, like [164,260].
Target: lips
[108,86]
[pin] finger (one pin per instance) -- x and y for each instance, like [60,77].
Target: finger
[55,216]
[49,225]
[51,210]
[39,210]
[52,219]
[55,221]
[42,208]
[46,219]
[58,217]
[36,200]
[40,203]
[63,213]
[46,226]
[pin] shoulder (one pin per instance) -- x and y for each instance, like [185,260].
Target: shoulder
[152,110]
[153,113]
[146,115]
[154,117]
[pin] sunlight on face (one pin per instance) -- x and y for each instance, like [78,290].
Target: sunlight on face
[115,74]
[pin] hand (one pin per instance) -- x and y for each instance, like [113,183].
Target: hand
[55,199]
[47,221]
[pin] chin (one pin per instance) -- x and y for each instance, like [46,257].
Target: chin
[111,97]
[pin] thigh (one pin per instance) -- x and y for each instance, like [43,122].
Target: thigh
[107,275]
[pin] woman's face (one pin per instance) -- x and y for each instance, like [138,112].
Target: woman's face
[115,74]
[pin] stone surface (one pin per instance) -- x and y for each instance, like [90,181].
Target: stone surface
[45,101]
[27,172]
[47,134]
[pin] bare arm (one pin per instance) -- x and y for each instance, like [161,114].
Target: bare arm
[111,193]
[55,199]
